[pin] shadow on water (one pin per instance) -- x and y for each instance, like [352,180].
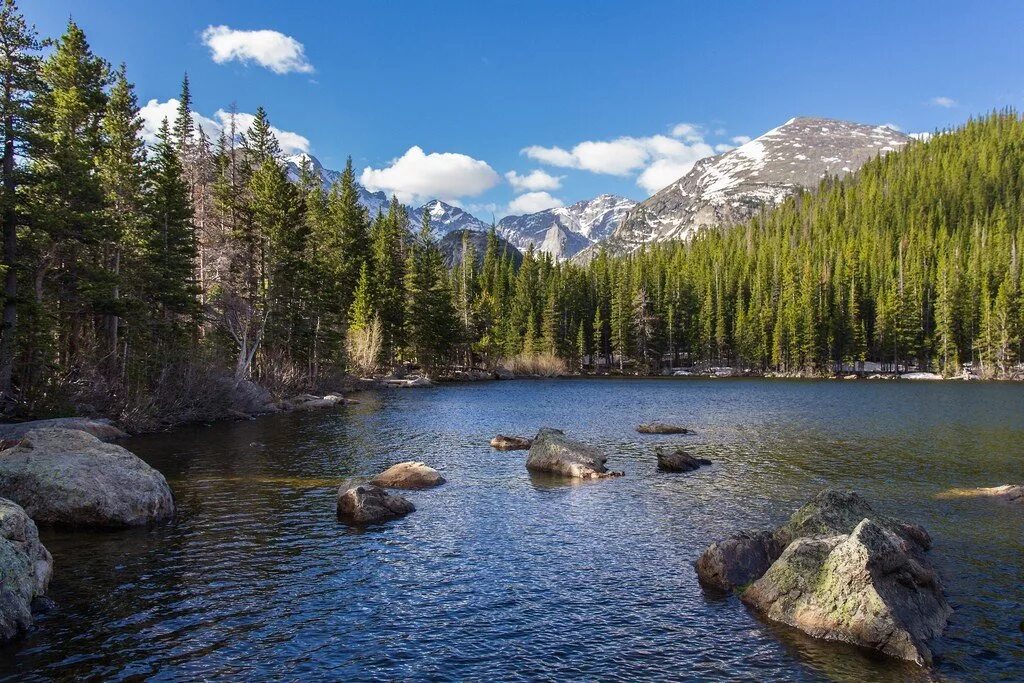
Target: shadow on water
[503,574]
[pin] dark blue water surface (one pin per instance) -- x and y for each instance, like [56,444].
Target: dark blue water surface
[499,575]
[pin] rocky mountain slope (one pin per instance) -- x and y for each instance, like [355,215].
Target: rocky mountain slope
[445,219]
[565,231]
[734,186]
[452,248]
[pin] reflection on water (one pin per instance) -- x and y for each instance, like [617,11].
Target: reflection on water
[501,574]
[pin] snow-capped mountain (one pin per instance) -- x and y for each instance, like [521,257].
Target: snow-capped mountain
[445,218]
[564,231]
[373,201]
[734,186]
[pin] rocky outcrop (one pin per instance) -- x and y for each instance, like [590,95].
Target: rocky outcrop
[366,504]
[553,453]
[70,478]
[503,442]
[408,475]
[737,561]
[679,460]
[838,570]
[867,588]
[102,429]
[25,569]
[661,428]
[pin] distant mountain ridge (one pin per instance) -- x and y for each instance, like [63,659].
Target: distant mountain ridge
[732,187]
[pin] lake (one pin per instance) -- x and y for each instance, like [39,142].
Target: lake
[502,575]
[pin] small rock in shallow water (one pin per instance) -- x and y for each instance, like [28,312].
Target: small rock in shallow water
[661,428]
[408,475]
[365,504]
[503,442]
[679,461]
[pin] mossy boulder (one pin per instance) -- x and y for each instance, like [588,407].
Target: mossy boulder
[366,504]
[554,453]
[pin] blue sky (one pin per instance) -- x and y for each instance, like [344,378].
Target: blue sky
[448,98]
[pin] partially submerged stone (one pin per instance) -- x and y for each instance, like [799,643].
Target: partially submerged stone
[366,504]
[101,428]
[408,475]
[679,460]
[554,453]
[503,442]
[738,560]
[70,478]
[1010,493]
[867,588]
[661,428]
[25,569]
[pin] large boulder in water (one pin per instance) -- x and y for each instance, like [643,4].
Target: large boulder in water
[365,504]
[745,556]
[869,588]
[553,453]
[408,475]
[67,477]
[25,569]
[101,428]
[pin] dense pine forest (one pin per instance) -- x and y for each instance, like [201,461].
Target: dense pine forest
[143,281]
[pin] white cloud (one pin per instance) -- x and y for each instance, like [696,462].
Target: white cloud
[690,132]
[271,49]
[945,102]
[417,177]
[553,156]
[154,112]
[740,139]
[723,147]
[532,202]
[534,180]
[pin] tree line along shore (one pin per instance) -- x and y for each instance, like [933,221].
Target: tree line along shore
[146,282]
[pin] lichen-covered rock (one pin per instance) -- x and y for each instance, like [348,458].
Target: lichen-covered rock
[868,588]
[553,453]
[503,442]
[661,428]
[408,475]
[679,460]
[101,428]
[25,569]
[365,504]
[67,477]
[738,560]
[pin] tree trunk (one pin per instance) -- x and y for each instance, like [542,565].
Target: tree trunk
[8,326]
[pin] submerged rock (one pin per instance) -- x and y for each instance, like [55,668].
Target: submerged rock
[867,588]
[366,504]
[552,452]
[679,461]
[70,478]
[503,442]
[1011,493]
[408,475]
[25,569]
[661,428]
[101,428]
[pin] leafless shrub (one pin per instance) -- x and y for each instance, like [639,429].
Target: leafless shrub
[540,364]
[364,347]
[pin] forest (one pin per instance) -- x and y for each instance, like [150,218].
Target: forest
[141,281]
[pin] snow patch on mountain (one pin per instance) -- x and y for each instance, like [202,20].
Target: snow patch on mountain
[564,231]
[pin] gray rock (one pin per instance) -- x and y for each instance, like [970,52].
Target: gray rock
[501,372]
[679,460]
[867,588]
[408,475]
[738,560]
[25,569]
[70,478]
[365,504]
[552,452]
[661,428]
[101,428]
[503,442]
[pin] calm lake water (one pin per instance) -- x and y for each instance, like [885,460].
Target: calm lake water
[499,575]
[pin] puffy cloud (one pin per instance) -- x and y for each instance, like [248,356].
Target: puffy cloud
[271,49]
[740,139]
[532,202]
[154,112]
[534,180]
[723,147]
[657,159]
[417,177]
[945,102]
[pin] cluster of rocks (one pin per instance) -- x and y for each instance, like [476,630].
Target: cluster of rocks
[249,399]
[838,570]
[368,503]
[63,473]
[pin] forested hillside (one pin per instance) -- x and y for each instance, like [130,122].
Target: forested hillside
[139,280]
